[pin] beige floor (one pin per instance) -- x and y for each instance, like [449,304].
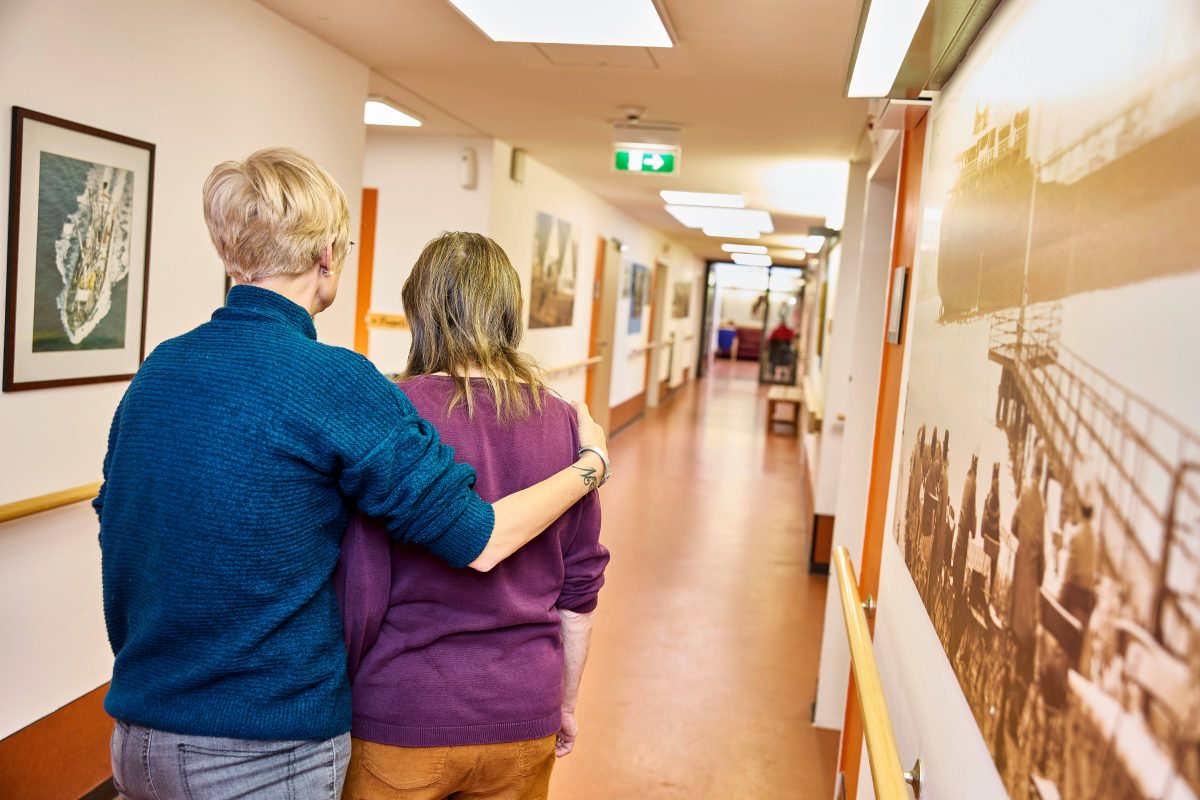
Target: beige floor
[704,659]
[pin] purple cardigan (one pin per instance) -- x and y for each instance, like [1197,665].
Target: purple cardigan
[441,656]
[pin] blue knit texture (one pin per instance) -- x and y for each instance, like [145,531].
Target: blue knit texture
[232,462]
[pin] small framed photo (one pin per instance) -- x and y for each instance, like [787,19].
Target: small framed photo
[896,307]
[79,210]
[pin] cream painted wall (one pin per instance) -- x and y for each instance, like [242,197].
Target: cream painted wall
[204,81]
[420,196]
[514,208]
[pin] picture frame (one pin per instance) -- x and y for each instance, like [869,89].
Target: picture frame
[895,324]
[79,224]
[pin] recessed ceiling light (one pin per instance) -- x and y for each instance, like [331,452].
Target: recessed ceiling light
[751,260]
[728,232]
[813,244]
[761,249]
[705,216]
[632,23]
[379,111]
[886,36]
[703,199]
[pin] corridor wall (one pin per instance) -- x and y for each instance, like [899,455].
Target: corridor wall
[205,81]
[1037,631]
[514,209]
[420,197]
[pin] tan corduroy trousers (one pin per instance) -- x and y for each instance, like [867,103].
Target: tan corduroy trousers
[506,771]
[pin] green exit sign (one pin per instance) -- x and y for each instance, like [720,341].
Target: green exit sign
[657,162]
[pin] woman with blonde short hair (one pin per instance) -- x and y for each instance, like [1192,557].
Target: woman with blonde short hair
[465,684]
[234,460]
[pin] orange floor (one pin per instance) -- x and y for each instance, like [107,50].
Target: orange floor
[704,658]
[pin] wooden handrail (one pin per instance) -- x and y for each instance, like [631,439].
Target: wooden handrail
[642,349]
[46,502]
[886,772]
[378,319]
[587,362]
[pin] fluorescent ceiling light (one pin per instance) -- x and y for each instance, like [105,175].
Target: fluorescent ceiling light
[813,244]
[705,216]
[727,232]
[751,260]
[703,199]
[382,112]
[632,23]
[888,32]
[761,249]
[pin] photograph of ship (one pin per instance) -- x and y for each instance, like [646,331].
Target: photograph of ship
[1048,503]
[80,288]
[555,263]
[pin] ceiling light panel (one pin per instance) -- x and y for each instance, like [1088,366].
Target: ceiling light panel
[705,216]
[751,260]
[761,249]
[380,112]
[886,36]
[630,23]
[814,243]
[703,199]
[720,232]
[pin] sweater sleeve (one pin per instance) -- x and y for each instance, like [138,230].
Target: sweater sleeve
[584,560]
[410,481]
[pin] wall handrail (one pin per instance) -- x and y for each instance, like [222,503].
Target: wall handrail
[383,319]
[642,349]
[887,774]
[574,365]
[47,502]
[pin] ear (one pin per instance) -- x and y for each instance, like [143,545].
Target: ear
[325,262]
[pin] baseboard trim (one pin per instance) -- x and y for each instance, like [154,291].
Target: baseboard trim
[624,414]
[105,791]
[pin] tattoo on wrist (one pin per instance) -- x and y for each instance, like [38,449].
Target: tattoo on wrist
[589,476]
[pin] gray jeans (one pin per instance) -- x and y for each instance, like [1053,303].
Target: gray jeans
[149,764]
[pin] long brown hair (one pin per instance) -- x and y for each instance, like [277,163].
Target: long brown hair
[464,306]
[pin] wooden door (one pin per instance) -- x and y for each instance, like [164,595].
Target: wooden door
[366,267]
[604,308]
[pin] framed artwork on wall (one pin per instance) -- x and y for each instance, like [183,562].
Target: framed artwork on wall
[681,299]
[79,210]
[638,296]
[555,264]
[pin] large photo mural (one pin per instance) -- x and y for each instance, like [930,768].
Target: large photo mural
[1048,503]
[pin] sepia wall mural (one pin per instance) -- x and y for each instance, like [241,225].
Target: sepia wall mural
[1049,497]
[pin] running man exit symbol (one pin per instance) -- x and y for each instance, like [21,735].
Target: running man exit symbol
[649,161]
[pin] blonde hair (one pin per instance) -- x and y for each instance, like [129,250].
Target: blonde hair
[274,213]
[464,306]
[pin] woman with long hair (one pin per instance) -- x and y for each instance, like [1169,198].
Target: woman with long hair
[467,682]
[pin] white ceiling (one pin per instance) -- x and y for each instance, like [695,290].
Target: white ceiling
[756,85]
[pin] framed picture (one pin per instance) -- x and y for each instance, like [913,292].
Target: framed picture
[681,299]
[78,253]
[896,308]
[638,296]
[555,264]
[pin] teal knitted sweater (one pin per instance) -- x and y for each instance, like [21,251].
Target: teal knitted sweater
[232,462]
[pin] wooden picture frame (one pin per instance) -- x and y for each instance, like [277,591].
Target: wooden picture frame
[79,220]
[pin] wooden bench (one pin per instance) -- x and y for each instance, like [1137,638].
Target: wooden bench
[784,395]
